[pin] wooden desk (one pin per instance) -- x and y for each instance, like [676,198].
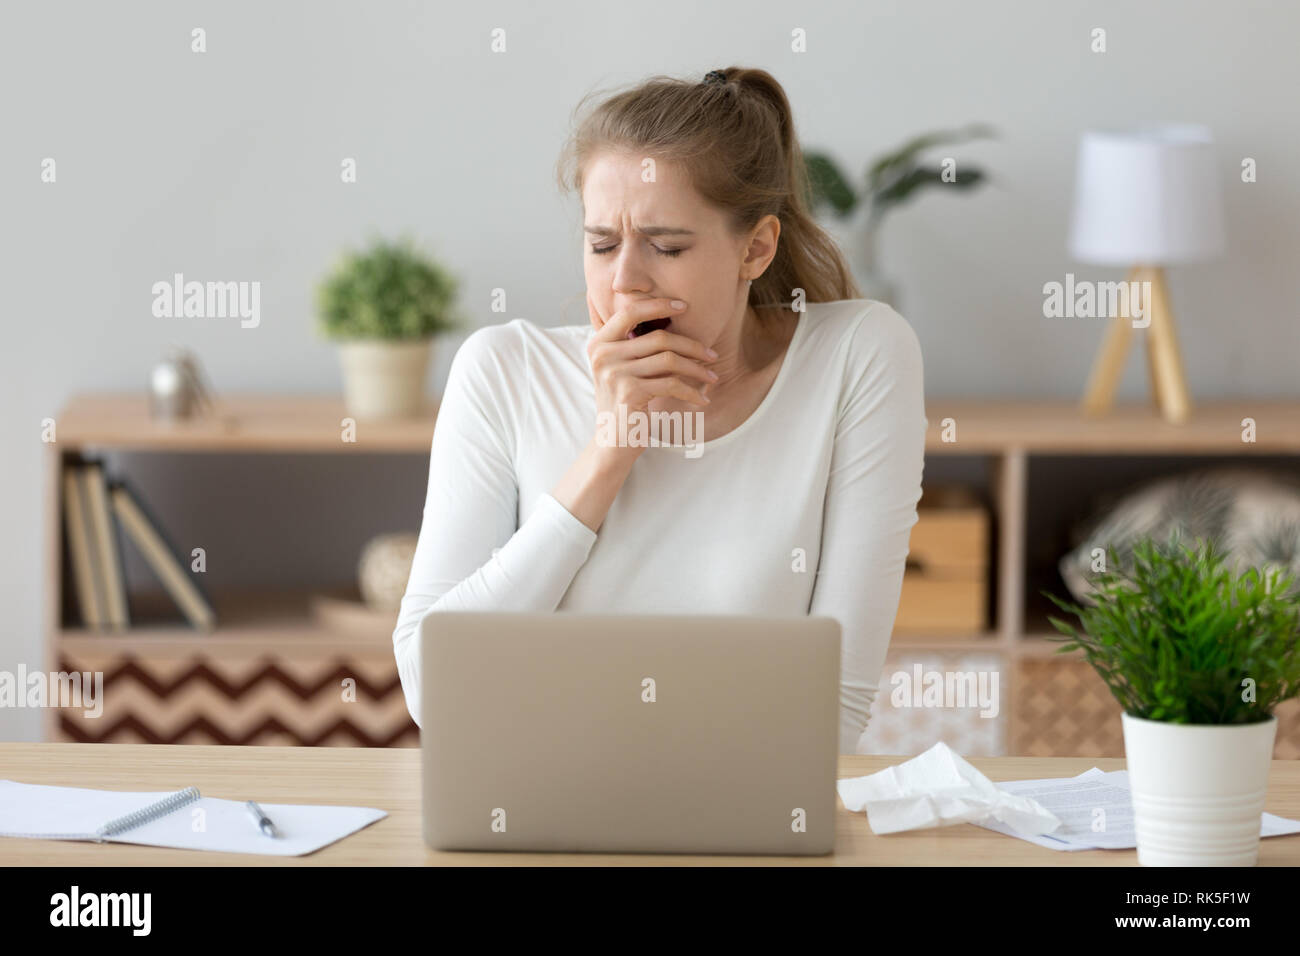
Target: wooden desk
[390,779]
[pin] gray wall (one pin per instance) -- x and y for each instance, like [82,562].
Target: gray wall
[226,166]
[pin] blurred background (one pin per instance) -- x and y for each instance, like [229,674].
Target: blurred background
[302,130]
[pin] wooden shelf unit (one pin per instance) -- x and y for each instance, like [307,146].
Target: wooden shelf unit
[273,622]
[240,423]
[1006,435]
[271,646]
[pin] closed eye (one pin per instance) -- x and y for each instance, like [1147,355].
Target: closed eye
[663,252]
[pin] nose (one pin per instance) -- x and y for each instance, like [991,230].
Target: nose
[630,277]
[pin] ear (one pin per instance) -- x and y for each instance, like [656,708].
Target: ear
[761,247]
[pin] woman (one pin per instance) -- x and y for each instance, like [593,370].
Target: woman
[802,495]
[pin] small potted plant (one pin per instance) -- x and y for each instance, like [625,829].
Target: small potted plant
[383,307]
[1198,656]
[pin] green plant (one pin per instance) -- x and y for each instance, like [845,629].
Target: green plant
[1182,638]
[389,291]
[891,179]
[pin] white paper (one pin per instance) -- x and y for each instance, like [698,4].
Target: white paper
[1077,800]
[939,788]
[223,825]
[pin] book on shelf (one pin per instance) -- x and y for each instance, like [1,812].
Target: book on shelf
[106,550]
[96,508]
[76,522]
[146,534]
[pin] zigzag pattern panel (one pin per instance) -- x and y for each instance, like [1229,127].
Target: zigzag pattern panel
[1064,709]
[263,701]
[1287,745]
[1061,708]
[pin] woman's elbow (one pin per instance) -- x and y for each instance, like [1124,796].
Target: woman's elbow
[406,653]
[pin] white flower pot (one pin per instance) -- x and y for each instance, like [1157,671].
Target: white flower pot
[384,379]
[1198,790]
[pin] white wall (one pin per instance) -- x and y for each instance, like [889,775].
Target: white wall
[226,166]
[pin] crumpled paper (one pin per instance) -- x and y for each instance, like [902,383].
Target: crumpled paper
[937,789]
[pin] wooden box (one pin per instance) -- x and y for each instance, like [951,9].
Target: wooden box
[945,584]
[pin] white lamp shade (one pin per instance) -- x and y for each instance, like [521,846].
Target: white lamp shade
[1147,197]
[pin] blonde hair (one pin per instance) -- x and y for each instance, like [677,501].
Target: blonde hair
[737,143]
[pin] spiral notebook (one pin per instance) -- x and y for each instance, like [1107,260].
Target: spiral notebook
[184,820]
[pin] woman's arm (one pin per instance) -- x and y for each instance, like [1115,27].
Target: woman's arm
[873,488]
[588,489]
[470,556]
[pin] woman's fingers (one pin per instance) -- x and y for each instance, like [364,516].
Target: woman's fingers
[680,388]
[666,363]
[634,370]
[667,386]
[615,353]
[665,341]
[618,326]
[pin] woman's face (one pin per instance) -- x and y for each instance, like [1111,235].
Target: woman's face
[660,239]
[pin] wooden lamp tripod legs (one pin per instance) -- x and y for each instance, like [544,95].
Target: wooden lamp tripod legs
[1167,378]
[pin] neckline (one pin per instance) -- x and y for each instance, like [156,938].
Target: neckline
[768,400]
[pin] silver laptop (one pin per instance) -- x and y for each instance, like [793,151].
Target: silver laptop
[636,734]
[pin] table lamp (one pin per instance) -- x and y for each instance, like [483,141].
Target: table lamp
[1145,199]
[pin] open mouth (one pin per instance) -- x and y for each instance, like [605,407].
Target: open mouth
[650,325]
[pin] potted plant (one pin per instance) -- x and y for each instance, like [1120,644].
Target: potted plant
[1198,656]
[383,307]
[890,181]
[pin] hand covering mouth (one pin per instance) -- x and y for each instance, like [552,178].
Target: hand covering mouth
[650,325]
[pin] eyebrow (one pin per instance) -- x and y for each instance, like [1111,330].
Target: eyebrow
[644,230]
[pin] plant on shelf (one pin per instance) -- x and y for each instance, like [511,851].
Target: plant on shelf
[890,181]
[383,306]
[1198,656]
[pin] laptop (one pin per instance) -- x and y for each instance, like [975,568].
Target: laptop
[583,733]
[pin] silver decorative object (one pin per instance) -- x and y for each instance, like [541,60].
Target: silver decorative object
[177,388]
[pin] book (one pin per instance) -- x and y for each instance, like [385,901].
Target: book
[148,539]
[184,820]
[80,548]
[106,555]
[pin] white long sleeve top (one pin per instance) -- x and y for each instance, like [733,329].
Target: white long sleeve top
[805,508]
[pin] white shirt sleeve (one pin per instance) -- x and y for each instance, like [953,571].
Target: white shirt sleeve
[871,496]
[471,510]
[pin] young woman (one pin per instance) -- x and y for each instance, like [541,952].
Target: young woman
[801,497]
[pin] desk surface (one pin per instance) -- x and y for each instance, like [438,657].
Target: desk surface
[390,779]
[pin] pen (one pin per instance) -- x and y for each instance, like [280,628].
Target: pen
[261,819]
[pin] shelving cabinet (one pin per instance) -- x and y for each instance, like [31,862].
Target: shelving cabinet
[298,666]
[1041,466]
[274,670]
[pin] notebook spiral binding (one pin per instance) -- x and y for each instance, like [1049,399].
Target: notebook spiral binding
[145,814]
